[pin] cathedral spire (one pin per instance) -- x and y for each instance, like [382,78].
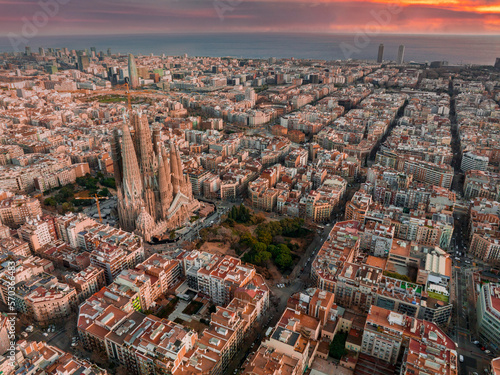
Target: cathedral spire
[180,176]
[175,168]
[131,175]
[132,182]
[165,194]
[116,154]
[168,177]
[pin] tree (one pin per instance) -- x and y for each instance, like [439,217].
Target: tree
[109,182]
[104,193]
[274,250]
[247,239]
[259,247]
[50,202]
[67,206]
[265,237]
[284,260]
[337,346]
[265,256]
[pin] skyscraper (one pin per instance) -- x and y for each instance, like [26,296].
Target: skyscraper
[380,57]
[132,72]
[401,54]
[497,63]
[83,62]
[154,195]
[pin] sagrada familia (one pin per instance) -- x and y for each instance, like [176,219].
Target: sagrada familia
[154,196]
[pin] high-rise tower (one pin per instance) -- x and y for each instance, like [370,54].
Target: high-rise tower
[401,54]
[380,57]
[497,63]
[132,72]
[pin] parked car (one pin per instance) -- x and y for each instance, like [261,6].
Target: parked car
[29,329]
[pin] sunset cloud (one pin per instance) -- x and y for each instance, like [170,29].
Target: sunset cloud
[142,16]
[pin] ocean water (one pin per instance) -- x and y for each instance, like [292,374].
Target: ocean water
[419,48]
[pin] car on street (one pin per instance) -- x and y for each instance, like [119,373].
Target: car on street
[461,358]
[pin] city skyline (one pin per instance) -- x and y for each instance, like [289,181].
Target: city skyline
[58,17]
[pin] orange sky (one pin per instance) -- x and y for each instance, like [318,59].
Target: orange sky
[142,16]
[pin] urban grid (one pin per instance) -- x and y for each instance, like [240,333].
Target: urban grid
[178,215]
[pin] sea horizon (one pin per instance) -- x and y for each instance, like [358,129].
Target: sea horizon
[420,48]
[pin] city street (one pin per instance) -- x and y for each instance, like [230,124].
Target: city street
[297,281]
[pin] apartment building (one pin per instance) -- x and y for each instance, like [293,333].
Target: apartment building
[86,282]
[34,356]
[425,347]
[263,197]
[429,173]
[383,334]
[111,259]
[69,225]
[357,206]
[14,246]
[15,209]
[44,299]
[488,315]
[147,344]
[268,362]
[36,233]
[473,161]
[168,273]
[220,279]
[341,246]
[486,246]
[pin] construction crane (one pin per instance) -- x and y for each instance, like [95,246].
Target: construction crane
[97,202]
[127,87]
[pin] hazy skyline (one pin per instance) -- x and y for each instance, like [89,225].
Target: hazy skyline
[157,16]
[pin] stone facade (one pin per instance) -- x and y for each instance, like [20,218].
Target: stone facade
[154,195]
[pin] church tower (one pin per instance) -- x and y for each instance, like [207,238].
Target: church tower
[168,181]
[132,183]
[175,169]
[149,179]
[116,154]
[146,162]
